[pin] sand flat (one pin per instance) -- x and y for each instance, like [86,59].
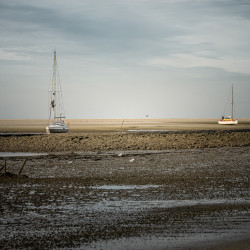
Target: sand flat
[95,125]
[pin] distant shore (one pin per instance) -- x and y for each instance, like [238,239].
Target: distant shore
[107,125]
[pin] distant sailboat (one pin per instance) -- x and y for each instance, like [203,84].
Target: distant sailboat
[56,109]
[229,119]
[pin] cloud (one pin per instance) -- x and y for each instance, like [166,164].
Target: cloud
[192,61]
[13,56]
[104,45]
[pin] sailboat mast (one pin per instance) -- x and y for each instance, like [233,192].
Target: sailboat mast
[232,100]
[53,102]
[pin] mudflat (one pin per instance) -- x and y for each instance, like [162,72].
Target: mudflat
[108,141]
[125,184]
[138,199]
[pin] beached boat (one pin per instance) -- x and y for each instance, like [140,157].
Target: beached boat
[56,123]
[229,119]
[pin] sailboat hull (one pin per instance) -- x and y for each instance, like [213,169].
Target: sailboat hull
[226,119]
[222,122]
[57,128]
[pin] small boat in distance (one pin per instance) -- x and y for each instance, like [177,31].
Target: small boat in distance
[228,119]
[56,109]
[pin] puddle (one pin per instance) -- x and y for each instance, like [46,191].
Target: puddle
[150,130]
[16,154]
[20,134]
[125,187]
[130,205]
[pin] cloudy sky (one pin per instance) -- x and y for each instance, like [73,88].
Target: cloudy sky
[126,58]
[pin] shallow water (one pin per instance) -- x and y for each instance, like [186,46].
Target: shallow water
[150,130]
[122,187]
[17,154]
[21,134]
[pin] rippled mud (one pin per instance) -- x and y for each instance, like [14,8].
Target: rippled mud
[177,199]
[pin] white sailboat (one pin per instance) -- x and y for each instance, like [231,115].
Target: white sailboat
[229,119]
[56,123]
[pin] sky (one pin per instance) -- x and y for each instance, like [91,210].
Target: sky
[125,58]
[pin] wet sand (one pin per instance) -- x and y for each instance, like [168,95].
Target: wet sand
[104,187]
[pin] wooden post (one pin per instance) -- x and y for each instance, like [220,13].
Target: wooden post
[22,166]
[122,123]
[4,166]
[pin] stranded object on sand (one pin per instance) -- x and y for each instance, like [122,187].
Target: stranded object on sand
[9,174]
[56,109]
[226,119]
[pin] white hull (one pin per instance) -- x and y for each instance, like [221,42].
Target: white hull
[228,119]
[57,128]
[228,122]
